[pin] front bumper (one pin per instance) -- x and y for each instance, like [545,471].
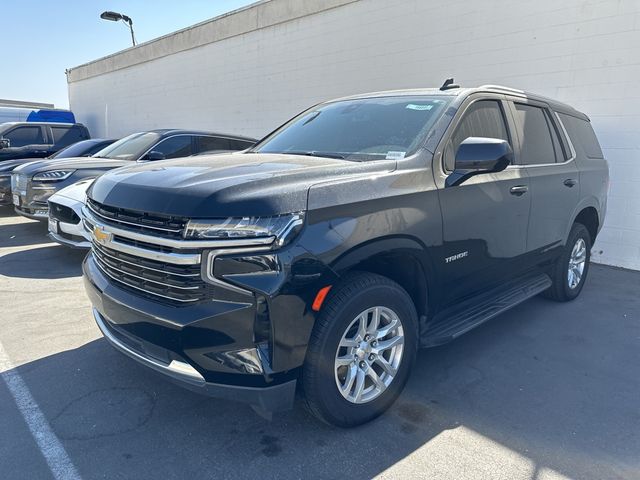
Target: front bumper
[67,233]
[264,399]
[207,347]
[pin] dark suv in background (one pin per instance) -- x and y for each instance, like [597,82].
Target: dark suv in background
[38,139]
[84,148]
[34,183]
[362,229]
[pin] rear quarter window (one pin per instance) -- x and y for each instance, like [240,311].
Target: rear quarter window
[64,136]
[582,135]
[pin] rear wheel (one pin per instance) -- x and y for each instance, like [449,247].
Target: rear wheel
[570,271]
[361,350]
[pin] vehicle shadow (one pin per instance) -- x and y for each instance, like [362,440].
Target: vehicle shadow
[54,261]
[552,384]
[22,233]
[7,211]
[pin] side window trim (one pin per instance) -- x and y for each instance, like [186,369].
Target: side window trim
[506,116]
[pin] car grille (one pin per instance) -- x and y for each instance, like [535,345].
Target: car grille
[155,225]
[178,284]
[63,213]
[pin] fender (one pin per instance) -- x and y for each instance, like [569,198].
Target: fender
[589,201]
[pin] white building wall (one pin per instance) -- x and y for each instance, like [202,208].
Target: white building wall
[583,52]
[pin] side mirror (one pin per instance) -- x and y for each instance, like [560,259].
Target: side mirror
[5,143]
[154,155]
[478,155]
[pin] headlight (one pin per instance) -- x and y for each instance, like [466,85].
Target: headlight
[53,176]
[280,227]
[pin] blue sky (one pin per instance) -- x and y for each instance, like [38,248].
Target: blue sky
[42,38]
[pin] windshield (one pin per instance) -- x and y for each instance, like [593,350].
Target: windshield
[131,147]
[79,149]
[363,129]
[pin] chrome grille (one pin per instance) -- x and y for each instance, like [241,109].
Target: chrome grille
[149,224]
[178,283]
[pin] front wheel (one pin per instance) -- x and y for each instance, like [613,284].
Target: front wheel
[361,350]
[570,270]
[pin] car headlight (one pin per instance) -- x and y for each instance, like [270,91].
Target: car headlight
[280,227]
[53,175]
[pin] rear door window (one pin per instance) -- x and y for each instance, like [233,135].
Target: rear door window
[240,144]
[23,136]
[483,118]
[212,144]
[538,145]
[63,136]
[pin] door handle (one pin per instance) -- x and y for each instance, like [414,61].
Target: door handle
[518,190]
[570,182]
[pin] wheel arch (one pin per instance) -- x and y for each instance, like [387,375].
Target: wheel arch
[404,260]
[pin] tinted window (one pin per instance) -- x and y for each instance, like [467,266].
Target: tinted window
[174,147]
[483,118]
[582,135]
[537,144]
[22,136]
[240,144]
[131,147]
[362,129]
[209,144]
[80,149]
[63,136]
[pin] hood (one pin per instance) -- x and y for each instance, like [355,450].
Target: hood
[70,164]
[224,185]
[9,165]
[77,191]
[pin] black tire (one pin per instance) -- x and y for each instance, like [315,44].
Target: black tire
[353,295]
[560,291]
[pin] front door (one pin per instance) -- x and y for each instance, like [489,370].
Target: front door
[485,218]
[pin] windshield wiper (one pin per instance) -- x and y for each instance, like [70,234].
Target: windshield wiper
[314,153]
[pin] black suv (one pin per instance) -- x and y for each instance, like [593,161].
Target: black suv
[34,183]
[84,148]
[362,229]
[38,140]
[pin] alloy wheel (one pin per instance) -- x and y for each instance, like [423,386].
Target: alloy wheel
[369,355]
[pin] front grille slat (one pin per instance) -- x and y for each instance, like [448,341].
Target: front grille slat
[177,283]
[150,224]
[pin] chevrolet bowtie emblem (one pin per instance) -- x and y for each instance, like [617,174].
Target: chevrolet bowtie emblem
[100,235]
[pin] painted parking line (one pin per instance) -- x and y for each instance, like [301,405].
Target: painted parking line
[50,446]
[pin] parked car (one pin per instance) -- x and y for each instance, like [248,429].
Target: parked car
[65,215]
[32,184]
[84,148]
[362,229]
[38,139]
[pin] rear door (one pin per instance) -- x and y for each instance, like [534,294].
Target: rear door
[547,157]
[485,218]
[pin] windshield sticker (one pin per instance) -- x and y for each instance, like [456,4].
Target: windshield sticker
[395,155]
[413,106]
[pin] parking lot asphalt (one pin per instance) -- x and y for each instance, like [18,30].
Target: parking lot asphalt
[544,391]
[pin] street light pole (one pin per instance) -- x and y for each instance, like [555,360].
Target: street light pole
[115,16]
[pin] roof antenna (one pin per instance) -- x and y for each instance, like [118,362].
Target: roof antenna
[448,84]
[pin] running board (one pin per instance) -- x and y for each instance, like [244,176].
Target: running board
[453,322]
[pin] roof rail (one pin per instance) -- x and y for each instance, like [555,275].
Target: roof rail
[505,89]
